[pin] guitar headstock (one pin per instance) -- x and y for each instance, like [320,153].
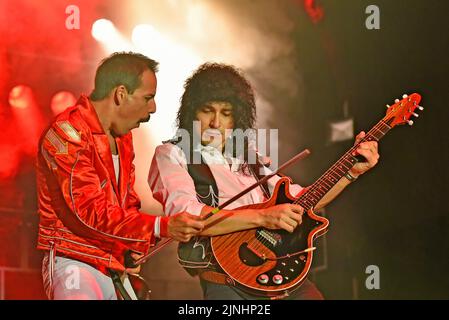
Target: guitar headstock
[401,111]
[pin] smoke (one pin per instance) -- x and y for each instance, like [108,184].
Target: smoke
[255,36]
[37,50]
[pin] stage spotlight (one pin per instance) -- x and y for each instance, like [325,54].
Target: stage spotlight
[103,30]
[149,41]
[21,97]
[61,101]
[27,117]
[144,33]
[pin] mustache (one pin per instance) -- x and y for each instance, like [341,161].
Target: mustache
[146,119]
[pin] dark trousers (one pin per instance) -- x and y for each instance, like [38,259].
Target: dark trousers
[213,291]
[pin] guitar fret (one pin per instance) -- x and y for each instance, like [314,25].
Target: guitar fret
[318,189]
[314,192]
[325,181]
[323,188]
[381,134]
[344,167]
[342,172]
[306,204]
[311,196]
[383,123]
[350,162]
[333,178]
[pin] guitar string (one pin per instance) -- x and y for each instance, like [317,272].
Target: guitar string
[323,179]
[333,170]
[319,182]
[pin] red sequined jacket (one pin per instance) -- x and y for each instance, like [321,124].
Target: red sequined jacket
[84,213]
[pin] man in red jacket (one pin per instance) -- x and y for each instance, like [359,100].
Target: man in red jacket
[89,211]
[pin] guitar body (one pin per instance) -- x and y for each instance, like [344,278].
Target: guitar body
[270,262]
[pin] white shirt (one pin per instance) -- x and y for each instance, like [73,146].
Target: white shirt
[174,188]
[116,161]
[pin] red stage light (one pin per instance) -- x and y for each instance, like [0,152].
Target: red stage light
[21,97]
[315,11]
[61,101]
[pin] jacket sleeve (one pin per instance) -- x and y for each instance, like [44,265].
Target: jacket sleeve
[91,213]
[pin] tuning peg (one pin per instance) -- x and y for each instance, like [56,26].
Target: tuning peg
[415,114]
[404,96]
[410,122]
[420,108]
[388,106]
[396,101]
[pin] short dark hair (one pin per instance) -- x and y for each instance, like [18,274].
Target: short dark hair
[121,68]
[222,83]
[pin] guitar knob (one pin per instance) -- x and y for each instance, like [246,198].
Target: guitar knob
[420,108]
[263,279]
[415,114]
[277,279]
[410,122]
[404,96]
[396,100]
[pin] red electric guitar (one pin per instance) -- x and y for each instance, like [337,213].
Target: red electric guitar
[274,262]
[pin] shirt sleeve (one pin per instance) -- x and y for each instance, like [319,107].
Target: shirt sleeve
[171,183]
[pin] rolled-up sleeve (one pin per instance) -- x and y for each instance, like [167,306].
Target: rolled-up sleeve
[171,183]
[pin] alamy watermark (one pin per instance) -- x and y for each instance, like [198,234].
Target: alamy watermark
[72,22]
[372,22]
[373,280]
[73,277]
[250,146]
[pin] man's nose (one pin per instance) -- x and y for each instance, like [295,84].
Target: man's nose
[215,121]
[152,108]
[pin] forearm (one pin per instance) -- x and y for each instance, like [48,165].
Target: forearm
[226,221]
[333,193]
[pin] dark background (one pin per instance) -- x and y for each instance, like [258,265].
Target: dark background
[396,216]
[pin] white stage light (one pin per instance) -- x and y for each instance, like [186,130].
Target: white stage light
[103,30]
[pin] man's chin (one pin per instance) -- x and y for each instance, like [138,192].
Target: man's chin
[216,145]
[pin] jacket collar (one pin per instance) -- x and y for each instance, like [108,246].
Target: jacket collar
[89,115]
[101,142]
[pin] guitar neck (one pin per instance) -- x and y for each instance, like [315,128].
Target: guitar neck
[319,188]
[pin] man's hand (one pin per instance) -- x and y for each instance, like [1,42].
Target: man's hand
[368,150]
[133,257]
[283,216]
[183,226]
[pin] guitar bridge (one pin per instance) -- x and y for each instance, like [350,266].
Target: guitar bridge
[273,238]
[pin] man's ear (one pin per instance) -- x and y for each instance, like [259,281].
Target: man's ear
[120,93]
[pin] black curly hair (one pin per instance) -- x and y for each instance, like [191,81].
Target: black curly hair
[217,82]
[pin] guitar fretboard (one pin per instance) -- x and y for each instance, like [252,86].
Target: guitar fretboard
[320,187]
